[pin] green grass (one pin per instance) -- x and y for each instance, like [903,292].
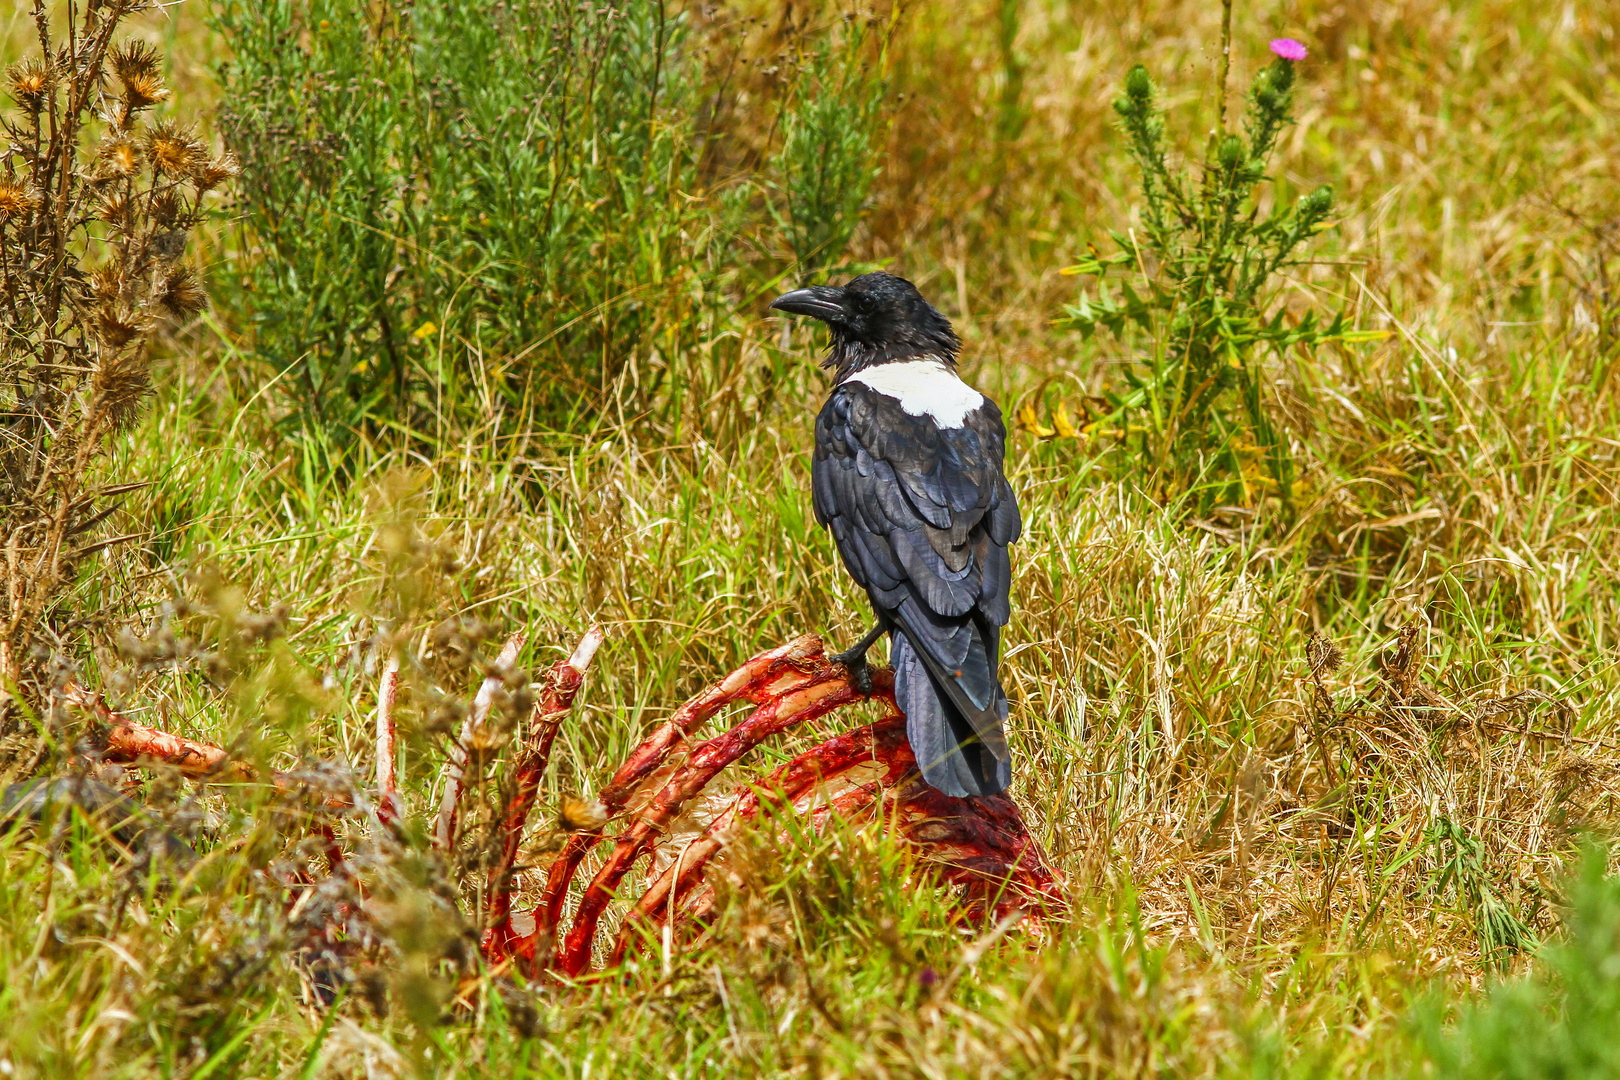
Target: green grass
[1255,892]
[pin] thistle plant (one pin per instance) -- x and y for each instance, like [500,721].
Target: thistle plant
[1195,279]
[96,202]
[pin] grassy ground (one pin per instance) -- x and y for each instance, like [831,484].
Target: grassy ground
[1264,882]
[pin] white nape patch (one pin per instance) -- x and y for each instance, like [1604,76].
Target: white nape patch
[923,388]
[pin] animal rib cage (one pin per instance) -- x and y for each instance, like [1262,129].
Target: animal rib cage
[980,847]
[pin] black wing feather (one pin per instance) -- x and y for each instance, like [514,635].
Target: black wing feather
[944,591]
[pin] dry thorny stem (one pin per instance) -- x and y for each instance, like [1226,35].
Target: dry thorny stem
[92,263]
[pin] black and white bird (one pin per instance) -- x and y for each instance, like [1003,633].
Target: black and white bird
[908,476]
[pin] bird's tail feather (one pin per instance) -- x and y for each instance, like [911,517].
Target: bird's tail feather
[950,755]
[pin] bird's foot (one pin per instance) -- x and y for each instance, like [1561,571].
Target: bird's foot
[860,672]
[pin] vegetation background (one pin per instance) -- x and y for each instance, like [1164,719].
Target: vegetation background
[488,348]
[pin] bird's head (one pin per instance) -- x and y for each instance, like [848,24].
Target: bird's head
[875,319]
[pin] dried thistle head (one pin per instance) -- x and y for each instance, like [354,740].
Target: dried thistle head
[17,199]
[259,627]
[484,742]
[107,282]
[143,93]
[135,59]
[139,67]
[211,174]
[577,815]
[118,157]
[166,209]
[1405,659]
[457,640]
[180,293]
[119,384]
[1323,656]
[114,208]
[173,149]
[117,326]
[29,83]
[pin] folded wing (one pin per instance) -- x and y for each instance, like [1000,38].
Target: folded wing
[922,517]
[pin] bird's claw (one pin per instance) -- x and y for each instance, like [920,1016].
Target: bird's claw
[860,672]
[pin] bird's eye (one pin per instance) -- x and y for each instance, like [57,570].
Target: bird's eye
[861,303]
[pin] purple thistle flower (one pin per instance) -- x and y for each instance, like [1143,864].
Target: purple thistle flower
[1288,48]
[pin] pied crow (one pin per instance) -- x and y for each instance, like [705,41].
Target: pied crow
[908,476]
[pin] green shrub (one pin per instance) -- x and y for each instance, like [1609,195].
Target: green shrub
[459,213]
[452,208]
[830,124]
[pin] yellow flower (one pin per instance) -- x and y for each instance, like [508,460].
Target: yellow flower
[1030,422]
[1061,421]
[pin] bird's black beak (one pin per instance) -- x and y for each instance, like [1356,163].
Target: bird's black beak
[824,302]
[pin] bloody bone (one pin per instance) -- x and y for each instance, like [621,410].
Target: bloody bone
[977,845]
[774,671]
[786,785]
[765,677]
[982,847]
[129,743]
[124,742]
[562,683]
[830,690]
[444,830]
[389,807]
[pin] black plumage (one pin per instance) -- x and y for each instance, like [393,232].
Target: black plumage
[907,475]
